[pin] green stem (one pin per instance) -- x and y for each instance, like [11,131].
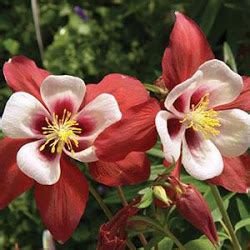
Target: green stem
[125,203]
[157,226]
[225,217]
[100,202]
[173,238]
[107,212]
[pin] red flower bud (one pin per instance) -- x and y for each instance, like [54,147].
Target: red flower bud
[192,206]
[112,235]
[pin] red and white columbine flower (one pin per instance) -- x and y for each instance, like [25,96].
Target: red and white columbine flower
[204,121]
[63,123]
[193,127]
[59,126]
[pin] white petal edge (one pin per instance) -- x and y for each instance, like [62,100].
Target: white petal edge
[234,137]
[56,88]
[18,115]
[86,155]
[223,84]
[171,145]
[203,162]
[104,110]
[184,89]
[36,166]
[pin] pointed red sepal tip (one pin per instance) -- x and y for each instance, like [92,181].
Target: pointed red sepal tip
[179,61]
[192,206]
[22,74]
[112,235]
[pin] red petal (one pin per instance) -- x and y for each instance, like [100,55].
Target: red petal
[62,204]
[12,181]
[134,169]
[188,49]
[236,174]
[243,101]
[134,132]
[128,91]
[22,74]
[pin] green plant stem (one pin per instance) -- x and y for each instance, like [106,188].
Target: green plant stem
[157,226]
[125,203]
[173,238]
[107,212]
[100,202]
[225,217]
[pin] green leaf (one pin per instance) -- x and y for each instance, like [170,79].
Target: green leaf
[165,244]
[243,207]
[156,152]
[209,15]
[155,171]
[147,198]
[229,57]
[242,223]
[154,241]
[11,45]
[199,244]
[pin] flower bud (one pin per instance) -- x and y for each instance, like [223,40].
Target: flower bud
[112,235]
[192,206]
[160,194]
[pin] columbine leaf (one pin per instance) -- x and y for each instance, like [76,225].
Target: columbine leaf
[146,199]
[229,57]
[242,223]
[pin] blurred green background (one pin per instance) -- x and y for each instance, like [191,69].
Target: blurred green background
[124,36]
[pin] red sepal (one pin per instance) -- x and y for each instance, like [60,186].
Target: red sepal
[12,181]
[61,205]
[134,169]
[188,49]
[236,174]
[242,101]
[22,74]
[127,90]
[135,132]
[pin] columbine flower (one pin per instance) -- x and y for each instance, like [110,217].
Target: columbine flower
[57,128]
[201,121]
[112,235]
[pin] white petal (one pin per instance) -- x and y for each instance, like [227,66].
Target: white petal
[214,78]
[86,155]
[104,111]
[234,137]
[171,142]
[59,89]
[184,90]
[19,114]
[43,169]
[203,160]
[222,84]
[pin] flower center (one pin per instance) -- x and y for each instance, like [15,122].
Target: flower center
[203,120]
[60,132]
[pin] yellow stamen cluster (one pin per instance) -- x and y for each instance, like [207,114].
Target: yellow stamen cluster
[203,120]
[60,132]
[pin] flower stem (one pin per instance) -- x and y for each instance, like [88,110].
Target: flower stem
[107,212]
[155,224]
[125,203]
[225,217]
[100,202]
[173,238]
